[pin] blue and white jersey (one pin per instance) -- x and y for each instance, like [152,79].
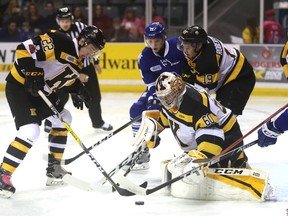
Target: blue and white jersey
[151,64]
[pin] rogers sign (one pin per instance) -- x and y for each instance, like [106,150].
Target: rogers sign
[265,61]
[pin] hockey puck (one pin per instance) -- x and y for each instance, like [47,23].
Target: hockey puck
[139,202]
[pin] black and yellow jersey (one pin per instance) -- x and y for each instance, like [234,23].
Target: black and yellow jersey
[216,65]
[201,122]
[54,53]
[284,59]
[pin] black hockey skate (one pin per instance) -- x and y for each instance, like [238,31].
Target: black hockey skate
[6,187]
[55,172]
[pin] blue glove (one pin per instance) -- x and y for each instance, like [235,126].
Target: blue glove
[153,104]
[267,135]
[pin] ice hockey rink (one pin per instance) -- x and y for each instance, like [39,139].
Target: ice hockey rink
[33,198]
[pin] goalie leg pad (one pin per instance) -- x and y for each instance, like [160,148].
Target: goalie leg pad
[226,184]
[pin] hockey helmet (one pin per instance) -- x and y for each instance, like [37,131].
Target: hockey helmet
[63,13]
[194,34]
[155,30]
[93,35]
[170,89]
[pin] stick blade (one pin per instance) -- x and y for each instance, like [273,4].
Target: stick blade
[133,188]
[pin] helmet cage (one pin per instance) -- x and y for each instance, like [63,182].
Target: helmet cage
[170,90]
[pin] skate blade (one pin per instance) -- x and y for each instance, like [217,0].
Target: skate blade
[138,167]
[5,194]
[54,182]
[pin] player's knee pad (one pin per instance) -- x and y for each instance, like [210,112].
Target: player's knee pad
[29,133]
[66,116]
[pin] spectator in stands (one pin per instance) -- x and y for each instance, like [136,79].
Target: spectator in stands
[101,19]
[118,33]
[133,25]
[3,7]
[250,33]
[27,32]
[49,21]
[13,11]
[273,32]
[78,15]
[34,18]
[155,18]
[10,32]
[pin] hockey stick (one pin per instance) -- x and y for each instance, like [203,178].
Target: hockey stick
[133,188]
[83,185]
[70,160]
[121,191]
[243,137]
[133,157]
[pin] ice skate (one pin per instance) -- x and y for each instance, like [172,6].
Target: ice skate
[105,127]
[6,187]
[55,172]
[142,163]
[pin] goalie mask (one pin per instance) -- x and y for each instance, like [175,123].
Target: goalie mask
[170,89]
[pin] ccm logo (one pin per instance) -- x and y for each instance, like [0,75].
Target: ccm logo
[229,171]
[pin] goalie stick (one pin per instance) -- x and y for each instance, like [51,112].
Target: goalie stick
[135,189]
[140,144]
[121,191]
[70,160]
[81,184]
[243,137]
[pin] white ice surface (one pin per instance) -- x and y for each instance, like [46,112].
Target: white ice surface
[33,198]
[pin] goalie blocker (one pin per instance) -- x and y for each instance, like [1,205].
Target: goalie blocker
[218,184]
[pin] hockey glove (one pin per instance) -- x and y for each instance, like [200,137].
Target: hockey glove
[153,103]
[34,81]
[267,135]
[81,97]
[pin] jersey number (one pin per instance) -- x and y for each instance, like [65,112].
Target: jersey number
[47,44]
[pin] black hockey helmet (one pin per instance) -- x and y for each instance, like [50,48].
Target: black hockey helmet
[194,34]
[63,13]
[92,34]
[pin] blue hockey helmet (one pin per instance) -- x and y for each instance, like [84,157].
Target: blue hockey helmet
[155,30]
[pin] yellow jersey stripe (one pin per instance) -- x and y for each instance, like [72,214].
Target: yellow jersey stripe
[204,99]
[17,76]
[187,118]
[209,148]
[22,54]
[285,69]
[48,47]
[229,124]
[236,70]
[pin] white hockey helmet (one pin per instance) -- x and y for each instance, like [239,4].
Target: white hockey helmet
[170,89]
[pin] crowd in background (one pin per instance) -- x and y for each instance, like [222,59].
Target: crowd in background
[20,22]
